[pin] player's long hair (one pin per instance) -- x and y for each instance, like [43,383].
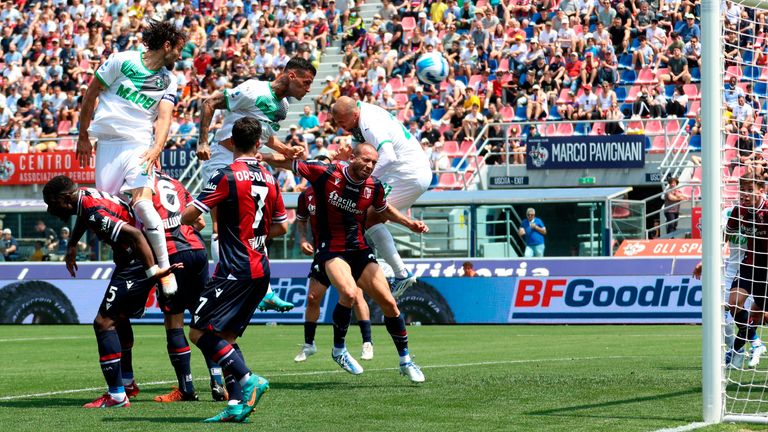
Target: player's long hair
[246,133]
[300,63]
[156,33]
[56,186]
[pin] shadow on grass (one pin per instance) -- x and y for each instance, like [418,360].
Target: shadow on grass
[44,402]
[570,411]
[164,419]
[331,385]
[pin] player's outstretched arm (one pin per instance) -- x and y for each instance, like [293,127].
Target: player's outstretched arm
[394,215]
[290,152]
[277,160]
[84,146]
[210,105]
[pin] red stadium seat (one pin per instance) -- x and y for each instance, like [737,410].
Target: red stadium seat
[466,146]
[322,116]
[507,113]
[564,97]
[672,127]
[565,129]
[692,91]
[408,23]
[396,83]
[645,76]
[447,181]
[632,94]
[693,108]
[451,148]
[732,71]
[653,127]
[474,79]
[658,145]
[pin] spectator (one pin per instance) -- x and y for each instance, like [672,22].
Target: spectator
[46,234]
[9,247]
[616,126]
[309,125]
[437,158]
[678,69]
[672,198]
[328,96]
[678,105]
[319,148]
[421,106]
[38,253]
[468,269]
[532,230]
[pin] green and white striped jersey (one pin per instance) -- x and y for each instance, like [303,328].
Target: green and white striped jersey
[128,105]
[256,99]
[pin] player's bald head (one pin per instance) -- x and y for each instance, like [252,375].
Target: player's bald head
[345,112]
[363,149]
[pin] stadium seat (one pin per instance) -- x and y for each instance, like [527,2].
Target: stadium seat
[629,76]
[581,128]
[747,56]
[466,147]
[696,74]
[645,76]
[565,129]
[693,108]
[550,130]
[437,114]
[474,80]
[732,71]
[672,127]
[658,145]
[653,127]
[396,83]
[632,95]
[598,129]
[692,91]
[459,163]
[669,90]
[621,93]
[553,114]
[751,73]
[507,113]
[408,23]
[451,148]
[291,213]
[521,114]
[695,143]
[503,65]
[435,181]
[448,181]
[322,116]
[564,97]
[761,88]
[400,98]
[625,61]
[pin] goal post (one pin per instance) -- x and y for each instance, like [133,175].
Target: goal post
[712,316]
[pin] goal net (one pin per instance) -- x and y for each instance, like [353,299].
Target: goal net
[743,225]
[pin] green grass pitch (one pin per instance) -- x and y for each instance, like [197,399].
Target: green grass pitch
[479,378]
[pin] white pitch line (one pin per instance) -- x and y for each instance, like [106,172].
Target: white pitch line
[335,371]
[684,428]
[32,339]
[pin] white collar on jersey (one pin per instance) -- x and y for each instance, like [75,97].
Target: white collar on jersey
[349,178]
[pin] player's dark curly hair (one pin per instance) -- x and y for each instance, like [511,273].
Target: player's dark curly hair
[246,133]
[300,63]
[58,185]
[158,32]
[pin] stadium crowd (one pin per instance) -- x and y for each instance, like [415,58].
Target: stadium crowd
[511,61]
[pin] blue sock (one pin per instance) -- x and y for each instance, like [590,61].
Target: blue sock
[221,352]
[180,354]
[109,359]
[310,328]
[125,334]
[234,389]
[396,328]
[365,330]
[342,315]
[215,371]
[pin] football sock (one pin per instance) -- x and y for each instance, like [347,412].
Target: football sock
[342,315]
[180,354]
[381,239]
[269,289]
[215,371]
[365,330]
[153,229]
[125,334]
[729,333]
[234,389]
[218,350]
[310,328]
[396,328]
[215,249]
[742,322]
[109,358]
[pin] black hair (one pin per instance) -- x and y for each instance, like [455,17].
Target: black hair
[246,133]
[300,63]
[56,186]
[323,159]
[157,33]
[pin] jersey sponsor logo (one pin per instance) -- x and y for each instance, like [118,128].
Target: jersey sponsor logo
[345,204]
[136,97]
[172,222]
[210,187]
[257,243]
[105,225]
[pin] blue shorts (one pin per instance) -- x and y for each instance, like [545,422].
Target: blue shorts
[754,280]
[358,260]
[228,305]
[191,281]
[127,293]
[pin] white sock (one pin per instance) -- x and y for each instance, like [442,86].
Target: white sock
[153,228]
[215,249]
[233,402]
[118,396]
[757,342]
[244,379]
[338,351]
[405,359]
[269,289]
[381,239]
[730,335]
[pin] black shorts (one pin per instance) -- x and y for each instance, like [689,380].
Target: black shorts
[358,260]
[754,280]
[228,304]
[191,281]
[127,293]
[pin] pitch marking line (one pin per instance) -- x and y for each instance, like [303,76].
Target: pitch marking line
[684,428]
[33,339]
[335,371]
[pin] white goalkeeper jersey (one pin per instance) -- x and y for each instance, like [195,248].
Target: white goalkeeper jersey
[128,105]
[399,151]
[256,99]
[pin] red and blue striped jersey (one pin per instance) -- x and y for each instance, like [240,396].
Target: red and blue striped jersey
[105,215]
[306,210]
[248,202]
[342,204]
[170,199]
[753,224]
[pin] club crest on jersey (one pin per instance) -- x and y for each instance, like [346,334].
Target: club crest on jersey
[311,209]
[367,193]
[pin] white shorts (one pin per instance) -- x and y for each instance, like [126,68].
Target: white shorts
[406,190]
[220,158]
[119,168]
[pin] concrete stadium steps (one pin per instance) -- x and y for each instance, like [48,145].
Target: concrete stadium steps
[329,65]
